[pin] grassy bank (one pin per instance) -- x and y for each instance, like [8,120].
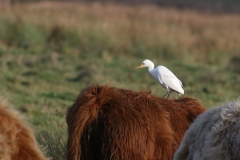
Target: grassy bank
[49,52]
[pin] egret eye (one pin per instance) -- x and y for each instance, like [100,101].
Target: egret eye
[143,63]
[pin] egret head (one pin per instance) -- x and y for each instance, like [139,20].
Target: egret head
[145,63]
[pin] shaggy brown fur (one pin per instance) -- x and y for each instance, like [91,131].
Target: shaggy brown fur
[17,141]
[110,123]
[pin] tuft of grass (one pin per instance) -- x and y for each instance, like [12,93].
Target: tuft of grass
[20,34]
[53,137]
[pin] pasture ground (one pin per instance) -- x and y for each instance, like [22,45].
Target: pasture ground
[49,52]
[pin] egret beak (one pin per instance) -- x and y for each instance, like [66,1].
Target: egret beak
[139,66]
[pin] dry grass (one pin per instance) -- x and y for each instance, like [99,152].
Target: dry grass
[188,31]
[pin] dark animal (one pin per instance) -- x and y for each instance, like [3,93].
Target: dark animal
[214,135]
[17,141]
[110,123]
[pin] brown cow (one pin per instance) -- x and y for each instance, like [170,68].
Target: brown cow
[17,141]
[110,123]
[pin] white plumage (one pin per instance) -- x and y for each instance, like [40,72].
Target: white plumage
[164,76]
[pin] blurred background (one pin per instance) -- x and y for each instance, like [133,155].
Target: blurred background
[51,50]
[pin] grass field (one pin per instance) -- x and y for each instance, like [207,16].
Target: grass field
[49,52]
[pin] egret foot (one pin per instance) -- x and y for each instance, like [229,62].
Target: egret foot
[168,93]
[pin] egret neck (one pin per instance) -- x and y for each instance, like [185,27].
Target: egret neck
[150,67]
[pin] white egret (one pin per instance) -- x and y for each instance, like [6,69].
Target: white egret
[165,77]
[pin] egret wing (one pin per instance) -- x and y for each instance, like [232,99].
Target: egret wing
[180,82]
[169,79]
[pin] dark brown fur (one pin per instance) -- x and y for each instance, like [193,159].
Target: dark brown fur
[17,141]
[110,123]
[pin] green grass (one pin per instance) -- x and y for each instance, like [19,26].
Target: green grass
[44,66]
[53,136]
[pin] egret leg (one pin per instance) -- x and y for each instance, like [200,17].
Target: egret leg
[167,93]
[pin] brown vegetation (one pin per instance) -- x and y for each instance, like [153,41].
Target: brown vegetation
[17,141]
[183,30]
[110,123]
